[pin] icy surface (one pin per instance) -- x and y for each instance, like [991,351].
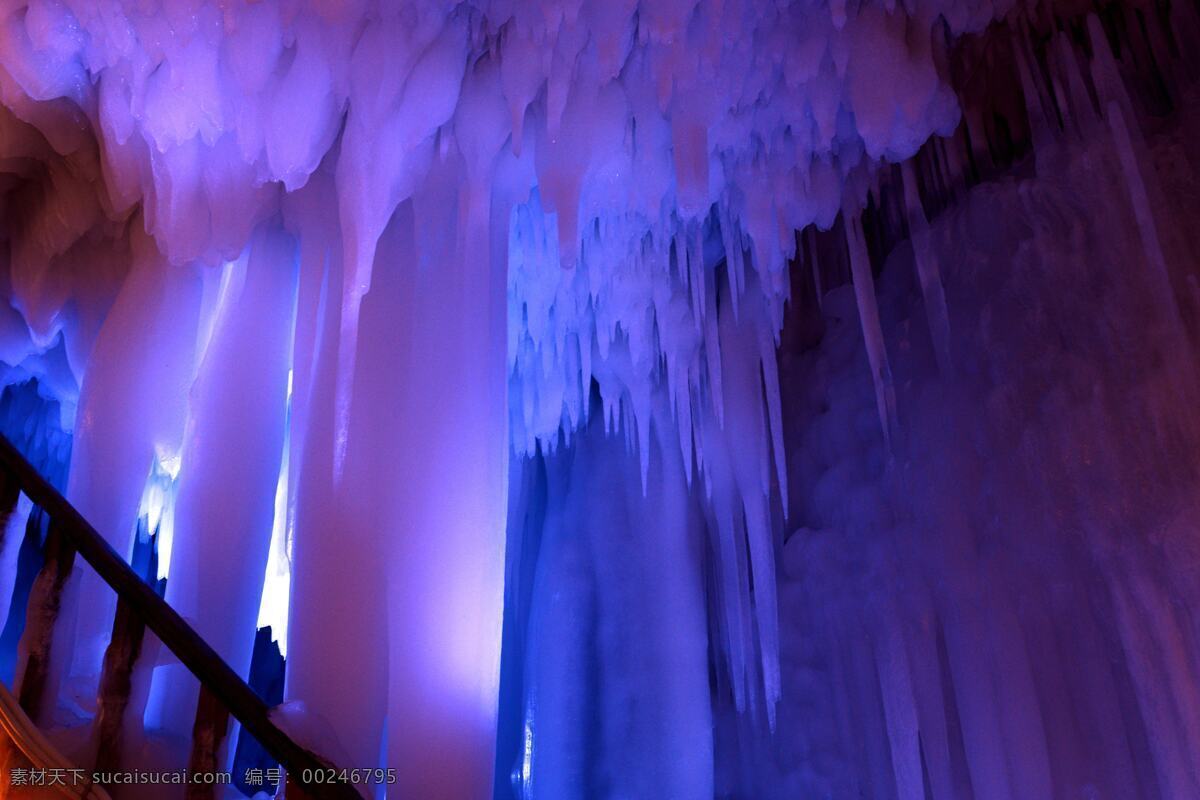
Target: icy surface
[610,153]
[1007,611]
[493,232]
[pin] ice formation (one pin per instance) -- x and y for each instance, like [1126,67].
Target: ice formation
[353,285]
[1012,614]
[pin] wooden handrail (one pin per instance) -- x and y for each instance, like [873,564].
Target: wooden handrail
[216,677]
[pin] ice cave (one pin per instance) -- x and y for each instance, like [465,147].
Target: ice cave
[600,399]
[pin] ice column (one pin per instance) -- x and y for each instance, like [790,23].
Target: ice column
[868,312]
[231,460]
[446,556]
[413,524]
[337,633]
[927,272]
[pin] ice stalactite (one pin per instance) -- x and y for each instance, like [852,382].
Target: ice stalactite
[740,450]
[868,314]
[1139,198]
[230,466]
[729,440]
[900,714]
[932,291]
[1032,91]
[1163,673]
[1140,183]
[385,151]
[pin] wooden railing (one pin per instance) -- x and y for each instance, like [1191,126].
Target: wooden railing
[222,692]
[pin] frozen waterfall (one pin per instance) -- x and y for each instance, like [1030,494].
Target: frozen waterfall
[626,398]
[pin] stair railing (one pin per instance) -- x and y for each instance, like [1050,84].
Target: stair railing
[222,691]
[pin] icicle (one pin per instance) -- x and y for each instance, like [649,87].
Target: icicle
[1039,126]
[712,352]
[928,274]
[814,265]
[770,375]
[978,705]
[954,163]
[734,259]
[954,154]
[1151,671]
[745,440]
[941,171]
[926,679]
[640,414]
[1106,76]
[733,588]
[694,278]
[696,266]
[686,432]
[868,312]
[1065,115]
[1082,111]
[900,713]
[1160,276]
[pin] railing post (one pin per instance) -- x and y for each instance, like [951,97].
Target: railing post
[212,723]
[115,686]
[45,598]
